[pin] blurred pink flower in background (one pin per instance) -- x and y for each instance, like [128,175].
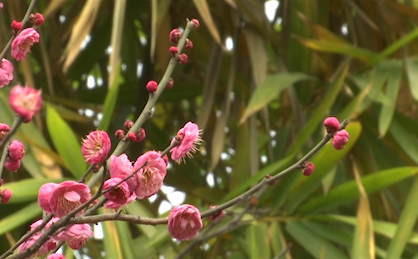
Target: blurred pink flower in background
[6,72]
[25,101]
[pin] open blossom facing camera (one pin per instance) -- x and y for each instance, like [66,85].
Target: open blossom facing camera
[96,146]
[151,176]
[25,101]
[188,138]
[6,72]
[184,222]
[62,198]
[119,194]
[23,42]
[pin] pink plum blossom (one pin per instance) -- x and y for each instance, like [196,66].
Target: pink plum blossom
[121,167]
[5,195]
[64,198]
[96,146]
[151,176]
[25,101]
[12,165]
[308,168]
[188,138]
[43,250]
[331,124]
[119,194]
[6,72]
[23,42]
[340,139]
[76,235]
[184,222]
[16,150]
[56,256]
[116,206]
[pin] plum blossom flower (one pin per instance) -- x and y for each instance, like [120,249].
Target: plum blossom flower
[331,124]
[43,250]
[23,42]
[12,165]
[25,101]
[151,176]
[96,146]
[340,139]
[308,168]
[121,167]
[184,222]
[6,72]
[188,138]
[76,235]
[16,150]
[63,197]
[119,194]
[5,195]
[56,256]
[116,206]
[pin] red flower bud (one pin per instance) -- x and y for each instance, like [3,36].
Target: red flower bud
[37,19]
[152,86]
[170,83]
[128,124]
[188,44]
[119,134]
[16,26]
[308,168]
[175,36]
[182,59]
[174,51]
[196,23]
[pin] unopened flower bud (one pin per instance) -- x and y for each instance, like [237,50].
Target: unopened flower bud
[188,44]
[182,58]
[254,201]
[217,216]
[170,83]
[37,19]
[119,134]
[5,196]
[308,168]
[340,139]
[96,168]
[175,36]
[131,137]
[331,124]
[271,183]
[12,165]
[174,51]
[152,86]
[196,23]
[140,136]
[16,26]
[1,181]
[4,127]
[16,150]
[128,124]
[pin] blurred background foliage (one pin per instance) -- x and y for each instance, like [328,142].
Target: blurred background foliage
[261,78]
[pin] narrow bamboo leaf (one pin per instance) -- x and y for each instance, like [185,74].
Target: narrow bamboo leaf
[161,236]
[383,228]
[65,142]
[406,223]
[203,8]
[241,168]
[324,160]
[111,239]
[404,140]
[392,88]
[328,180]
[125,238]
[110,101]
[269,90]
[258,55]
[318,115]
[28,189]
[317,246]
[363,239]
[277,241]
[412,72]
[257,241]
[348,191]
[333,47]
[26,214]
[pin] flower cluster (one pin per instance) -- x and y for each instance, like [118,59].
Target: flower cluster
[138,136]
[341,137]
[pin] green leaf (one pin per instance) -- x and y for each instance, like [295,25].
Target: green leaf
[111,239]
[270,89]
[348,191]
[412,72]
[404,140]
[27,190]
[257,240]
[406,223]
[318,115]
[317,246]
[126,239]
[324,161]
[394,74]
[277,241]
[66,143]
[110,101]
[136,208]
[26,214]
